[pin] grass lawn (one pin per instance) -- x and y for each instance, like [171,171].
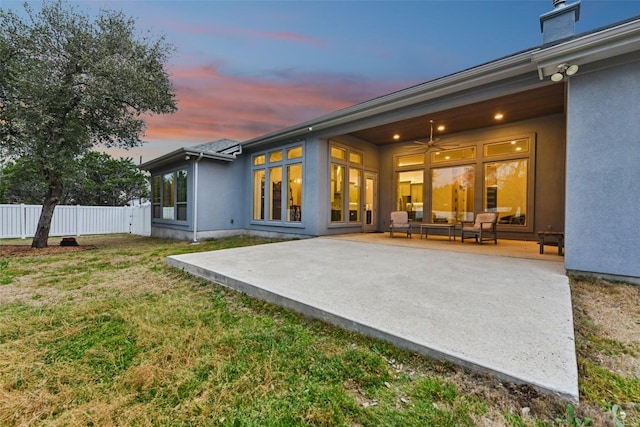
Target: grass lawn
[111,336]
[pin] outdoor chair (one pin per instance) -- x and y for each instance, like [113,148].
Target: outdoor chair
[400,222]
[484,228]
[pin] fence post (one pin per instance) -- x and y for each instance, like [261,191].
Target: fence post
[129,210]
[23,221]
[77,220]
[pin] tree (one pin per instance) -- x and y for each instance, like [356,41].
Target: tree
[98,180]
[68,83]
[103,180]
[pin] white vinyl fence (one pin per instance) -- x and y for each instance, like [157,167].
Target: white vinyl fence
[20,221]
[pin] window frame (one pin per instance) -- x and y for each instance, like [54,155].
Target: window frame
[267,163]
[479,163]
[530,158]
[159,200]
[347,218]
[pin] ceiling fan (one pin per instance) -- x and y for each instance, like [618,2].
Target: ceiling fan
[431,143]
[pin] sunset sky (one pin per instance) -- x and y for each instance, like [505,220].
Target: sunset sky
[245,68]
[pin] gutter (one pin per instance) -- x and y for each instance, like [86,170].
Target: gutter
[181,153]
[607,43]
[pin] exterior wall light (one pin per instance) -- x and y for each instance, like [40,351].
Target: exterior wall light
[564,69]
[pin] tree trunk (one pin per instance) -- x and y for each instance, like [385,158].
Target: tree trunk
[54,195]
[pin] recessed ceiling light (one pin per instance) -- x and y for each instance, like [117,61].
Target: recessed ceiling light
[499,116]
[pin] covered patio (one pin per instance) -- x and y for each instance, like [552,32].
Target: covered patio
[527,249]
[503,309]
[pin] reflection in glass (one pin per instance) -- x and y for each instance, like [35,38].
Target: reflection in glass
[410,193]
[156,191]
[506,190]
[294,153]
[411,160]
[453,155]
[275,199]
[337,185]
[258,194]
[452,193]
[294,202]
[355,184]
[168,194]
[275,156]
[515,146]
[181,195]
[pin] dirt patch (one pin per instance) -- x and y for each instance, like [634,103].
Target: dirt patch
[24,250]
[611,311]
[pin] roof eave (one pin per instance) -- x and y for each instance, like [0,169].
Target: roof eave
[607,43]
[484,74]
[183,153]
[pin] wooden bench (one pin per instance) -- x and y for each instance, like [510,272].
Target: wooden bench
[558,235]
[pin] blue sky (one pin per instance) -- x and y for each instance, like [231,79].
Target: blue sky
[244,68]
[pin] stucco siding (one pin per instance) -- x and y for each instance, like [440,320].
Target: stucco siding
[220,196]
[603,171]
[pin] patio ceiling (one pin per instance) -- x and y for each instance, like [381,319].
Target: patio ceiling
[525,105]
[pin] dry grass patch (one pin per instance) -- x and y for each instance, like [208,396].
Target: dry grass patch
[113,337]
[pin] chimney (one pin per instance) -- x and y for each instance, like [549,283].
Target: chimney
[560,22]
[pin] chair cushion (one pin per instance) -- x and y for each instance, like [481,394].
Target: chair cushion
[486,218]
[400,218]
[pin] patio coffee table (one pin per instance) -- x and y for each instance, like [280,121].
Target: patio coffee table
[424,228]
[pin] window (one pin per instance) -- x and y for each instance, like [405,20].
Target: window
[452,194]
[505,185]
[410,193]
[181,198]
[156,185]
[169,196]
[515,146]
[258,194]
[275,156]
[411,160]
[453,155]
[338,153]
[275,195]
[355,157]
[346,184]
[294,202]
[337,189]
[355,186]
[294,153]
[280,199]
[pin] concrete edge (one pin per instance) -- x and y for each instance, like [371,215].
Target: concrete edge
[348,324]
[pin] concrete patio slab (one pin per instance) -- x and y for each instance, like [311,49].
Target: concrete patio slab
[511,317]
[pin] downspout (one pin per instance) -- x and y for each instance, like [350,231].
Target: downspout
[195,198]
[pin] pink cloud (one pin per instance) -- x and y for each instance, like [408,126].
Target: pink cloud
[213,105]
